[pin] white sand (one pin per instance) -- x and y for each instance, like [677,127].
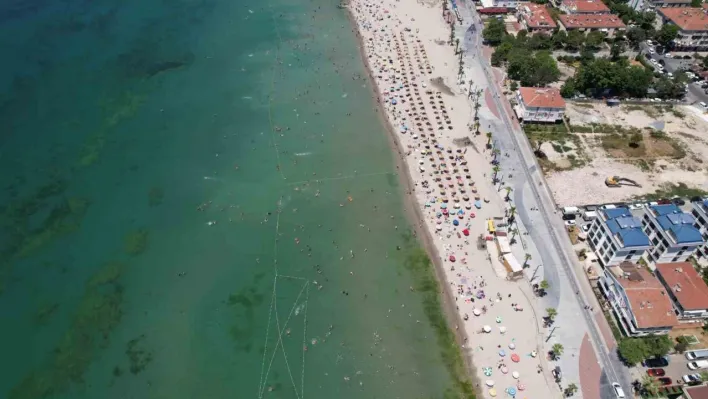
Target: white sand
[399,40]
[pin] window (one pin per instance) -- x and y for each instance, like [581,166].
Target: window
[675,259]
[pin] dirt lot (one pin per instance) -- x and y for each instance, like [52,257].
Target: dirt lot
[652,145]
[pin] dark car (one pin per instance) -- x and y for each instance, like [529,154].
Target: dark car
[697,198]
[665,381]
[678,201]
[656,372]
[656,362]
[663,201]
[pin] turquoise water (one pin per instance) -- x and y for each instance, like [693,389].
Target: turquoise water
[198,201]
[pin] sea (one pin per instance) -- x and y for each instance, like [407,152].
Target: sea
[198,200]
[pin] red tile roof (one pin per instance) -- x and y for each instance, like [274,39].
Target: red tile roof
[536,16]
[597,21]
[648,299]
[696,392]
[546,97]
[586,6]
[685,284]
[686,18]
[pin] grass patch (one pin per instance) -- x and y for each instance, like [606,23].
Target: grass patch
[426,284]
[669,190]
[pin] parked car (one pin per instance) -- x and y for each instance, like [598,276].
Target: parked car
[656,362]
[663,201]
[665,381]
[570,222]
[692,379]
[678,201]
[656,372]
[696,198]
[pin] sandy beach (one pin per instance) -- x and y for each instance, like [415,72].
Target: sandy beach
[406,48]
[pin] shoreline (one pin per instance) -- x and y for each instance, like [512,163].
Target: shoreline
[413,212]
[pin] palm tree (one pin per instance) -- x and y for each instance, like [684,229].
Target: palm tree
[512,211]
[457,45]
[489,135]
[496,152]
[570,390]
[650,385]
[543,285]
[551,313]
[514,232]
[527,258]
[557,350]
[508,192]
[496,170]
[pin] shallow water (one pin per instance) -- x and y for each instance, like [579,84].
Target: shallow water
[198,200]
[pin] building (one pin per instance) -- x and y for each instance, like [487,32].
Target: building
[535,18]
[605,23]
[536,104]
[638,299]
[700,213]
[584,7]
[687,290]
[671,232]
[693,26]
[616,236]
[508,4]
[697,392]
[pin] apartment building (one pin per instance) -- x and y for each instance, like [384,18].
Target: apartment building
[687,291]
[638,299]
[609,24]
[535,104]
[535,18]
[584,7]
[700,213]
[693,26]
[616,236]
[671,232]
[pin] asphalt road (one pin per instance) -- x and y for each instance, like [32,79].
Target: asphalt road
[544,226]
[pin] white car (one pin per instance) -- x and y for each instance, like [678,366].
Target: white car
[651,51]
[649,42]
[618,390]
[570,222]
[668,55]
[671,75]
[586,227]
[653,61]
[704,105]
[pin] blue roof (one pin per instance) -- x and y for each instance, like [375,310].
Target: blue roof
[626,227]
[680,225]
[665,209]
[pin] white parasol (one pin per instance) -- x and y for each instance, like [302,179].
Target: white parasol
[490,383]
[487,329]
[515,374]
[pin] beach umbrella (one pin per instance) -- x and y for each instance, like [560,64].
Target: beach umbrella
[487,329]
[515,358]
[478,204]
[534,353]
[515,374]
[456,206]
[521,386]
[499,320]
[452,258]
[512,345]
[511,391]
[438,227]
[492,392]
[456,222]
[468,206]
[476,312]
[504,370]
[502,353]
[502,329]
[466,232]
[487,371]
[443,206]
[490,383]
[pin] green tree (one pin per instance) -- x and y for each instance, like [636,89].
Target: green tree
[539,41]
[557,349]
[681,344]
[494,32]
[574,40]
[705,63]
[508,192]
[616,50]
[632,350]
[527,258]
[696,3]
[594,39]
[668,88]
[570,390]
[513,86]
[636,35]
[657,345]
[558,39]
[667,34]
[650,385]
[587,54]
[568,89]
[551,313]
[543,285]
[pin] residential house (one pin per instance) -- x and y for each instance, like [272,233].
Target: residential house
[700,213]
[606,23]
[584,7]
[638,299]
[687,290]
[535,104]
[671,232]
[693,26]
[535,18]
[616,236]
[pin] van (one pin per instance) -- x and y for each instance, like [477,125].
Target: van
[701,364]
[570,210]
[697,354]
[589,215]
[609,206]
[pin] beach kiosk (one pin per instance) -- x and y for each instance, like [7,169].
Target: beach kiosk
[514,269]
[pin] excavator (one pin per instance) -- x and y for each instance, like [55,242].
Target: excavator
[616,181]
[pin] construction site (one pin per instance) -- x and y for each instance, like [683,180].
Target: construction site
[605,154]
